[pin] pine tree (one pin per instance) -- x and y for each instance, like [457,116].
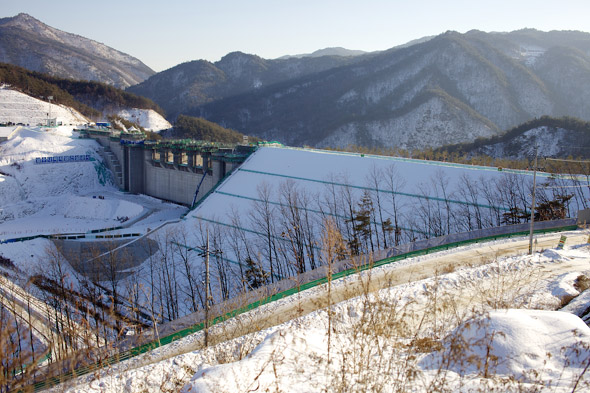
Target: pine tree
[363,234]
[255,275]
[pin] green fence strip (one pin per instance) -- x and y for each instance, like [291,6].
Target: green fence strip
[130,353]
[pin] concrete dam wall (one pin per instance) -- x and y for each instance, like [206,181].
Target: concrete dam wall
[171,170]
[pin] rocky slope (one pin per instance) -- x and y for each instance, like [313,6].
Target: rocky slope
[552,137]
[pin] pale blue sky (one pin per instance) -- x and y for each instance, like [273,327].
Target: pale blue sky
[163,34]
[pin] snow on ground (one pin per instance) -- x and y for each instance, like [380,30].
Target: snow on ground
[50,198]
[516,343]
[147,118]
[68,197]
[17,107]
[319,183]
[394,340]
[29,256]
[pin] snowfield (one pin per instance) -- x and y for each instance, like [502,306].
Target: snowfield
[17,107]
[68,197]
[461,320]
[394,340]
[147,118]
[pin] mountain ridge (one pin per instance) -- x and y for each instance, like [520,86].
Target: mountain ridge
[29,43]
[453,88]
[430,92]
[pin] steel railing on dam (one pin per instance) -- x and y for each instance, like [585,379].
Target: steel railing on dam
[311,279]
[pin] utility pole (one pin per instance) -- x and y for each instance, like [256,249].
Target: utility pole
[205,252]
[533,203]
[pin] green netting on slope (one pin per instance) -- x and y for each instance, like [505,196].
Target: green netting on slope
[426,197]
[307,209]
[103,174]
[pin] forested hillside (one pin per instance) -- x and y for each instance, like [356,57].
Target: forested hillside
[554,137]
[187,127]
[89,98]
[453,88]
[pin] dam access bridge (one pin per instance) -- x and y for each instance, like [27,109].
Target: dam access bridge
[169,170]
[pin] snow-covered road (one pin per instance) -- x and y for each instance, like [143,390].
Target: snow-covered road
[401,273]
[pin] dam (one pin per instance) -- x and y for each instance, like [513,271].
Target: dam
[168,170]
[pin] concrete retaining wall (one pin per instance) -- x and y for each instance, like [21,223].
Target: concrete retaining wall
[101,260]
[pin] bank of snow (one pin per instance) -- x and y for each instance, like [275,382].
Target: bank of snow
[17,107]
[146,118]
[516,343]
[392,341]
[67,197]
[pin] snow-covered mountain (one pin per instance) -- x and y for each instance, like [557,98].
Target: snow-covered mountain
[449,89]
[29,43]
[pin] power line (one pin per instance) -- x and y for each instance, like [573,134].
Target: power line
[567,160]
[578,186]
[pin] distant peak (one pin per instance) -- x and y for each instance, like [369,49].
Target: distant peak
[332,51]
[239,58]
[23,16]
[238,54]
[22,20]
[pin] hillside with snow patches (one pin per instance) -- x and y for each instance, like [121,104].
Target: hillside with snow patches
[17,107]
[146,118]
[29,43]
[304,188]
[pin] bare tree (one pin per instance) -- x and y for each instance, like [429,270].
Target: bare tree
[186,254]
[262,218]
[491,193]
[292,225]
[472,215]
[395,184]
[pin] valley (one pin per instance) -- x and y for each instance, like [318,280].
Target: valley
[409,219]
